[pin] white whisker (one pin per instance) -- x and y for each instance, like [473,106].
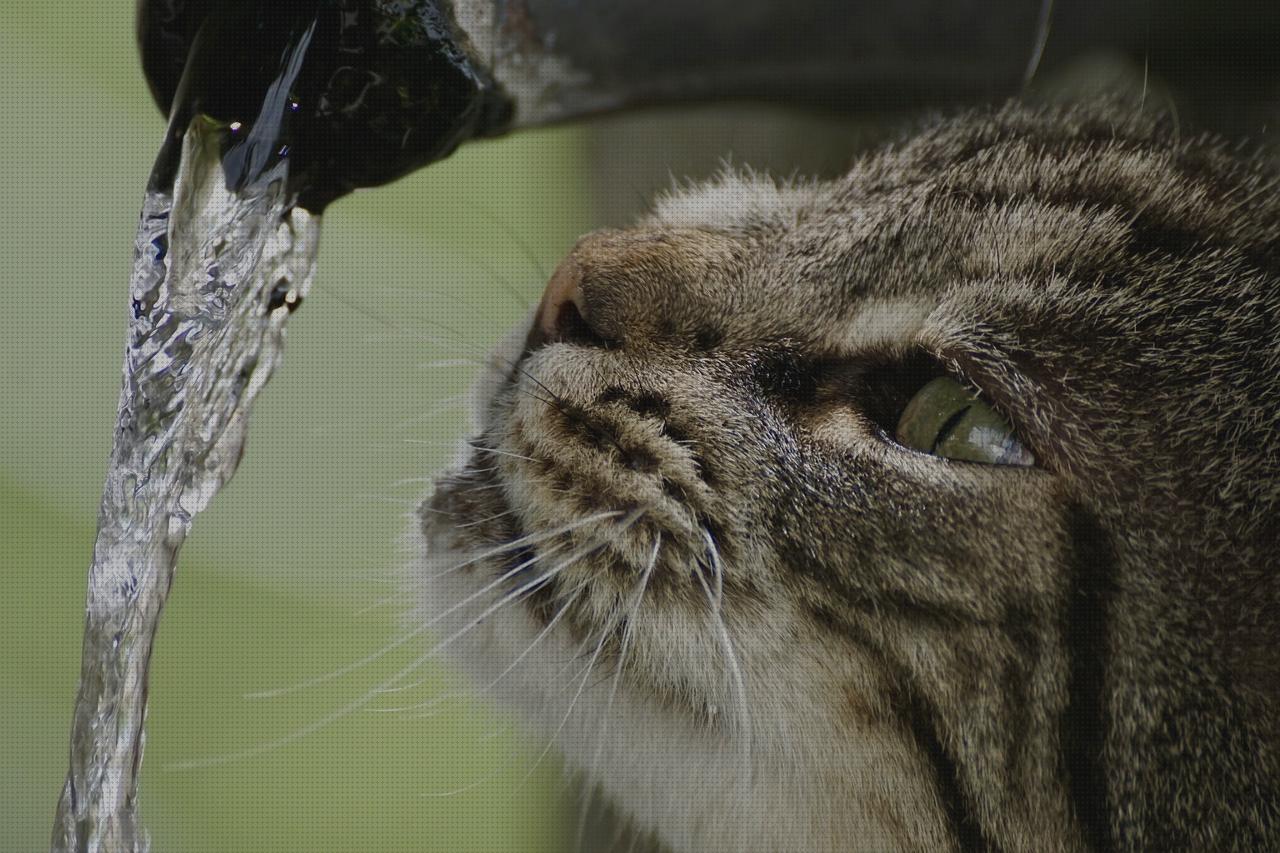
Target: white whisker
[510,667]
[533,538]
[486,519]
[528,539]
[393,645]
[716,566]
[627,634]
[370,695]
[481,449]
[735,671]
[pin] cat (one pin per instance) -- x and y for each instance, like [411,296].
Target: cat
[930,508]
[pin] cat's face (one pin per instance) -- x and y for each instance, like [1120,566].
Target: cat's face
[706,471]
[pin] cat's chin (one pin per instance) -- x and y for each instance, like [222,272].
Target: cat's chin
[673,760]
[663,769]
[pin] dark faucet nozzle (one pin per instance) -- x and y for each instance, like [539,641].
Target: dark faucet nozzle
[355,93]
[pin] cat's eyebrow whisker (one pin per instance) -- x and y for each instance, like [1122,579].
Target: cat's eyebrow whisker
[627,634]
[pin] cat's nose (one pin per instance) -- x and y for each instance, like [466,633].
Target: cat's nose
[633,287]
[563,313]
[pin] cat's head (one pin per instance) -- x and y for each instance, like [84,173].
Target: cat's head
[933,505]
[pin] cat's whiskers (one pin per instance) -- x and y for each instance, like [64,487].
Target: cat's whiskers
[605,631]
[585,673]
[365,698]
[481,691]
[389,647]
[514,545]
[507,599]
[627,634]
[717,567]
[486,519]
[479,448]
[370,695]
[440,364]
[532,585]
[475,355]
[457,401]
[568,599]
[731,662]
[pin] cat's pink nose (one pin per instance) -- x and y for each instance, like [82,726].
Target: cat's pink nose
[562,314]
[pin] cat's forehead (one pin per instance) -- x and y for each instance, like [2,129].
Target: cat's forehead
[1070,208]
[735,201]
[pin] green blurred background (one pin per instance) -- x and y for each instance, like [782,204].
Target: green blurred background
[283,576]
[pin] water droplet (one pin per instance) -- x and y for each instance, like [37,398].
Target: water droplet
[284,294]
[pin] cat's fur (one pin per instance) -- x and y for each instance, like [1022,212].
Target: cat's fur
[917,653]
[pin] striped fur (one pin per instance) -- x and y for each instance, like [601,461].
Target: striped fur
[922,654]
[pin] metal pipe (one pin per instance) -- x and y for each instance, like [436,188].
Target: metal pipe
[433,73]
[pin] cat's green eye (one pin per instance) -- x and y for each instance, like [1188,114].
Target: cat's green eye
[946,419]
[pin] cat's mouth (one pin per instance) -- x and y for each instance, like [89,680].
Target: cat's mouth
[614,583]
[564,449]
[588,508]
[586,530]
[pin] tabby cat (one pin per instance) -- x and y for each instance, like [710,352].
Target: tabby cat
[931,508]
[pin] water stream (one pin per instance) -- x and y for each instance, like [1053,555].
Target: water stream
[275,111]
[216,274]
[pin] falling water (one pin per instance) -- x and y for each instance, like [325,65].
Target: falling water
[216,273]
[275,110]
